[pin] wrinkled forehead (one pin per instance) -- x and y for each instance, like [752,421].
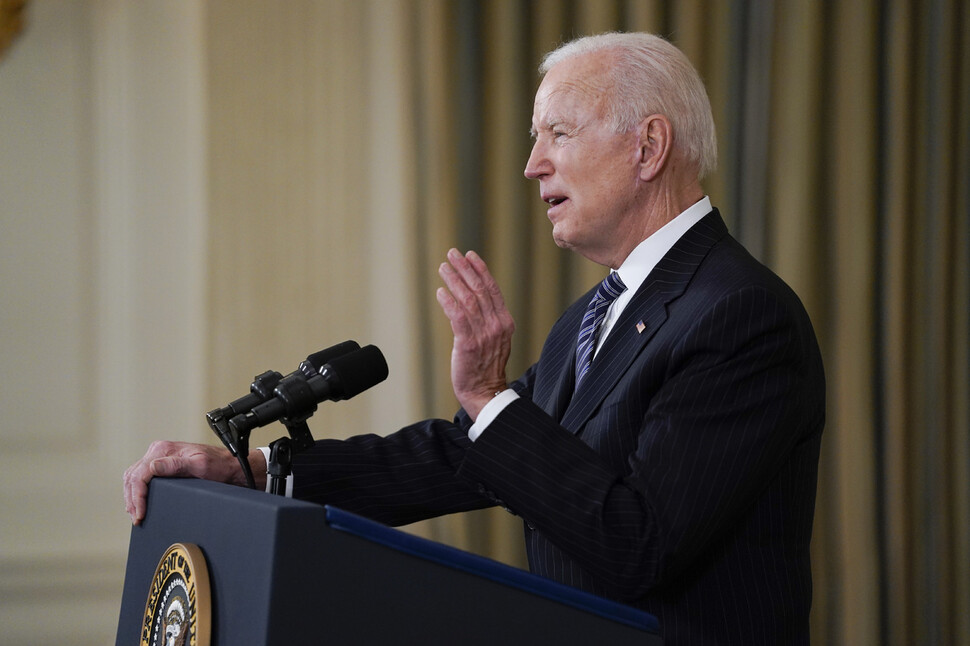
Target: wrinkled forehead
[582,83]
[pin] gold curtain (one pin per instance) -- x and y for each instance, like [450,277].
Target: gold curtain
[844,165]
[11,22]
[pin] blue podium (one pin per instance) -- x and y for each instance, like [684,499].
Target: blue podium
[288,572]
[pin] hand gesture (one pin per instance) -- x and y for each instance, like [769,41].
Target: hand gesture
[482,327]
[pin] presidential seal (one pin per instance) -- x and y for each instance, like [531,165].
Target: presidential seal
[178,611]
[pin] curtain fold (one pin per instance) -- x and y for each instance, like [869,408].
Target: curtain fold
[843,166]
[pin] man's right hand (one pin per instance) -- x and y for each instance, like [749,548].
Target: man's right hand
[185,460]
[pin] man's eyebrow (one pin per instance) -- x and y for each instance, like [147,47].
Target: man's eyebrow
[550,124]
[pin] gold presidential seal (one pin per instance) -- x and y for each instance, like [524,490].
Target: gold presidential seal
[178,611]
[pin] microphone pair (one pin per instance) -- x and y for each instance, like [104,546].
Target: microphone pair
[336,373]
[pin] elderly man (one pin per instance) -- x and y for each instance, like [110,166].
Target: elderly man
[663,451]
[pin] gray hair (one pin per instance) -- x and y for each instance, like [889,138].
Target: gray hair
[652,76]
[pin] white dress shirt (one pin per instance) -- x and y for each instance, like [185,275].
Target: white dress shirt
[633,272]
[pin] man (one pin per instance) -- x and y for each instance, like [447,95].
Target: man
[663,451]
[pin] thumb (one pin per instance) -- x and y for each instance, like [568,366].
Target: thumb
[168,466]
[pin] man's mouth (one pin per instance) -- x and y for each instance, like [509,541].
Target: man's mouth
[554,200]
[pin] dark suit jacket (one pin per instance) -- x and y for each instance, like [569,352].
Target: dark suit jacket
[679,478]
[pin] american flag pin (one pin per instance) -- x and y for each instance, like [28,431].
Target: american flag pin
[640,327]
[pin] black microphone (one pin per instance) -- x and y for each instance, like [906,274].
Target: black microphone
[297,397]
[262,387]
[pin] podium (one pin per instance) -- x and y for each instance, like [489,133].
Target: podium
[289,572]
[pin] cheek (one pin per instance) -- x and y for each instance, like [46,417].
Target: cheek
[599,186]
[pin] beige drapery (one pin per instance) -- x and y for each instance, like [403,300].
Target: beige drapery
[11,22]
[844,165]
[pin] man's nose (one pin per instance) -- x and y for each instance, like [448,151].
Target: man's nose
[538,164]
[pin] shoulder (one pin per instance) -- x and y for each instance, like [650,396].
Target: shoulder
[729,269]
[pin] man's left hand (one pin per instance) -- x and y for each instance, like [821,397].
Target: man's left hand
[482,326]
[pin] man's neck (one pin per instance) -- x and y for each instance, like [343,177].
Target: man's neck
[657,211]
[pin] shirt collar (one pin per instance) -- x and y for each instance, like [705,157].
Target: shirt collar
[648,253]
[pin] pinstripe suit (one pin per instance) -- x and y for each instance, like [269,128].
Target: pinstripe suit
[679,478]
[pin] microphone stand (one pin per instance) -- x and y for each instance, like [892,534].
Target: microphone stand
[294,391]
[280,459]
[281,454]
[234,432]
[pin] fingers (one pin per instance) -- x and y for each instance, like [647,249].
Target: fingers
[136,490]
[131,495]
[457,298]
[482,325]
[163,459]
[173,466]
[136,485]
[471,284]
[472,299]
[489,284]
[472,296]
[459,324]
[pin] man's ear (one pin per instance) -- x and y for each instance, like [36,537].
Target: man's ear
[656,144]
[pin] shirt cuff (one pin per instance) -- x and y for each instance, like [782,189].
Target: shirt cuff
[269,481]
[490,411]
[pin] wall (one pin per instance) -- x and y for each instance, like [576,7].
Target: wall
[166,236]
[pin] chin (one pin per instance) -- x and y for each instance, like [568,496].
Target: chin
[561,241]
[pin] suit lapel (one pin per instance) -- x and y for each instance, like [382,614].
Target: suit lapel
[556,374]
[564,387]
[641,319]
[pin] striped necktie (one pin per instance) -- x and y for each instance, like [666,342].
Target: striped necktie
[606,293]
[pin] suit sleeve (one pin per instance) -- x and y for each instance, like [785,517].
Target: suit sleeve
[398,479]
[710,437]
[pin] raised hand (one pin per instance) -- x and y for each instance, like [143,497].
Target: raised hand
[482,326]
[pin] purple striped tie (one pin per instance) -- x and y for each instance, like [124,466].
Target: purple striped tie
[606,293]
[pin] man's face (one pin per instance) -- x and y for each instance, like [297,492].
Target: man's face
[588,174]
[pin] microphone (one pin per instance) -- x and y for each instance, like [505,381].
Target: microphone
[263,385]
[297,397]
